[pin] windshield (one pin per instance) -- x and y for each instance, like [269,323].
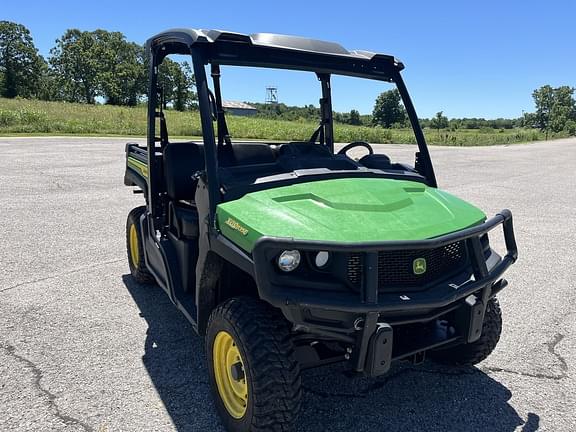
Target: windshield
[277,125]
[271,124]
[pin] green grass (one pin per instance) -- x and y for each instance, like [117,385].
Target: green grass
[20,116]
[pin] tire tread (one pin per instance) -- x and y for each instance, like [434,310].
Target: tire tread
[140,273]
[265,334]
[475,352]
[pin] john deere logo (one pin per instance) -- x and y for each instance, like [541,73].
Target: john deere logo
[419,266]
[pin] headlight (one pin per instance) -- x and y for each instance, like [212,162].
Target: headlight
[321,259]
[289,260]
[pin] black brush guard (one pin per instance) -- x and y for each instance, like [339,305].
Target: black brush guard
[365,318]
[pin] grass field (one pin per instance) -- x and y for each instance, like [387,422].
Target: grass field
[18,116]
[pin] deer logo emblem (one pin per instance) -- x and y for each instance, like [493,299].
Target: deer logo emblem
[419,266]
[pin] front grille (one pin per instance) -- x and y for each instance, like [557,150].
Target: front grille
[395,268]
[355,268]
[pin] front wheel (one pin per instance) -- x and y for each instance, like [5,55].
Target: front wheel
[254,376]
[475,352]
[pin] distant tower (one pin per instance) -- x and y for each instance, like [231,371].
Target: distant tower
[271,95]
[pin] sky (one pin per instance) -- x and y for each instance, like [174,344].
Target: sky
[467,59]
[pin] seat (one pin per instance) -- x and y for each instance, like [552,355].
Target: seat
[376,161]
[304,155]
[303,149]
[382,162]
[181,162]
[245,154]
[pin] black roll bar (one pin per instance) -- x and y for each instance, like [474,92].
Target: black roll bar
[425,161]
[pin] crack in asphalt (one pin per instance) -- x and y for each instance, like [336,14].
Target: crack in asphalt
[65,273]
[51,397]
[492,369]
[552,350]
[551,346]
[365,392]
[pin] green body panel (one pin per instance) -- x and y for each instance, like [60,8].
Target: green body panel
[138,166]
[346,210]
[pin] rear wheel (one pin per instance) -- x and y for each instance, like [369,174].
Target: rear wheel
[254,376]
[475,352]
[135,247]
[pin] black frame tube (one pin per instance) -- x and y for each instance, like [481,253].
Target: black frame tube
[326,111]
[210,156]
[154,204]
[424,157]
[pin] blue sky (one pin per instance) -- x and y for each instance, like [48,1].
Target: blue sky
[473,59]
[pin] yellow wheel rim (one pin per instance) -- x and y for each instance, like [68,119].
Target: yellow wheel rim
[230,375]
[134,255]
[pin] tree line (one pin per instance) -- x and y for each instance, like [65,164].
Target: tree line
[91,66]
[86,66]
[555,112]
[281,111]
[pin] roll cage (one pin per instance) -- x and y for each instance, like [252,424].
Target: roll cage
[215,48]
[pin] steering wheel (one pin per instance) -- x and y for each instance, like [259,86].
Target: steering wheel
[355,144]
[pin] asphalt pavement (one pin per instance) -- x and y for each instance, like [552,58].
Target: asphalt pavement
[84,348]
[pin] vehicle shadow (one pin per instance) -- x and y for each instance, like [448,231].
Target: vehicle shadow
[411,398]
[427,397]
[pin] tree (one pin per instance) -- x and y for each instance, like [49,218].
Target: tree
[555,108]
[121,73]
[75,63]
[564,109]
[388,109]
[544,100]
[454,124]
[98,64]
[184,95]
[439,121]
[46,88]
[20,64]
[355,118]
[177,82]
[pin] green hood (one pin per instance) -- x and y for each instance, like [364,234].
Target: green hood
[346,210]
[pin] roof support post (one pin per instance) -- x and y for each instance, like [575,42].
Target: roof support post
[326,111]
[424,161]
[154,204]
[207,132]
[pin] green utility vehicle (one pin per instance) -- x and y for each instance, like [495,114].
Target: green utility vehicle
[287,256]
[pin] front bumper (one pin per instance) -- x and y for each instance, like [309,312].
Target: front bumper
[365,318]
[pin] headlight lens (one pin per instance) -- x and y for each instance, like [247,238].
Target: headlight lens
[289,260]
[321,259]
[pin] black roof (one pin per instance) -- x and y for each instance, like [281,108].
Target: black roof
[275,50]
